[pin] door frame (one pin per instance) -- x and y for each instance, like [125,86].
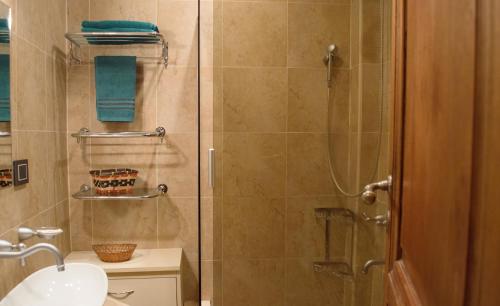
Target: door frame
[399,290]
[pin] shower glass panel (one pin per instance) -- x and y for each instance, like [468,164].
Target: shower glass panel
[295,101]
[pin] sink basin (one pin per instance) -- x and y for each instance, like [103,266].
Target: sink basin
[80,285]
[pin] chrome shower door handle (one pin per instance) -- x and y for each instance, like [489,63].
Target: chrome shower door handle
[369,194]
[211,167]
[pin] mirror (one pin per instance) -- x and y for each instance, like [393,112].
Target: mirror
[5,114]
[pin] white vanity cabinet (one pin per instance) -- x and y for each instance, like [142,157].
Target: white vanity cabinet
[151,277]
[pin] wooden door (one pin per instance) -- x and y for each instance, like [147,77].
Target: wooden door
[435,60]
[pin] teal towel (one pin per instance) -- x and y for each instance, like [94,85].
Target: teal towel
[4,88]
[115,30]
[115,78]
[106,25]
[4,31]
[119,26]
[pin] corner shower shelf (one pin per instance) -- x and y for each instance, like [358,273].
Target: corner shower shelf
[117,39]
[340,268]
[88,193]
[86,133]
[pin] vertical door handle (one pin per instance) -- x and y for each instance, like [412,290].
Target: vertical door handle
[211,167]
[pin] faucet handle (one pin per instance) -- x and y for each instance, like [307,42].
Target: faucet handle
[26,233]
[379,219]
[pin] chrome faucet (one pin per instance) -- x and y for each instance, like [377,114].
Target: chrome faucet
[370,263]
[9,250]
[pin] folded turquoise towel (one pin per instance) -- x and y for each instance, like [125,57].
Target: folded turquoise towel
[4,24]
[115,78]
[4,31]
[116,24]
[115,30]
[4,88]
[119,26]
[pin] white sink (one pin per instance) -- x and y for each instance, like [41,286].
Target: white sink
[80,285]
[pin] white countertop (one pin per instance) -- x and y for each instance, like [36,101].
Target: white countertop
[153,260]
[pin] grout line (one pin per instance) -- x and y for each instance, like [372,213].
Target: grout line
[68,178]
[33,217]
[222,143]
[285,230]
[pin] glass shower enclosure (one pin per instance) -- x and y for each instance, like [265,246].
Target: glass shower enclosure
[295,101]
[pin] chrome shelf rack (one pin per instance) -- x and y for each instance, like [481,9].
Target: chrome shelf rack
[88,193]
[86,133]
[339,267]
[116,39]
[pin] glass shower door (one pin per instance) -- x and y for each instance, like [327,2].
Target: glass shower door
[298,129]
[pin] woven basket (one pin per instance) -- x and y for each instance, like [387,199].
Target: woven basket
[5,177]
[114,252]
[114,181]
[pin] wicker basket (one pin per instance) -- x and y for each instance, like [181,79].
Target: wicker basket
[114,181]
[5,177]
[114,252]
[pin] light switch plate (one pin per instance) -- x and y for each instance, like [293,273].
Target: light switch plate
[21,172]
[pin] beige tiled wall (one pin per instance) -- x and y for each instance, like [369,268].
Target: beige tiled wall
[39,127]
[165,97]
[270,133]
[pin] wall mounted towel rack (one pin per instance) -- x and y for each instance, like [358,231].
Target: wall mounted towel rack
[86,133]
[116,39]
[88,193]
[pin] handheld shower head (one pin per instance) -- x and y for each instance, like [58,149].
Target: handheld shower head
[328,60]
[331,48]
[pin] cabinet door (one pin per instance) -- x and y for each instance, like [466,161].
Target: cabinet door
[157,291]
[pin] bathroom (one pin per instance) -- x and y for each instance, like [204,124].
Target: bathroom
[256,152]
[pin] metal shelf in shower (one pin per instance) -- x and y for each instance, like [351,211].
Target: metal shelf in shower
[340,267]
[88,193]
[117,39]
[86,133]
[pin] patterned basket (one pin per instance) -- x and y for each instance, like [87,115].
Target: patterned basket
[114,252]
[5,177]
[114,181]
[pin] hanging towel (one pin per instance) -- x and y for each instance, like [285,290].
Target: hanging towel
[115,78]
[4,88]
[119,26]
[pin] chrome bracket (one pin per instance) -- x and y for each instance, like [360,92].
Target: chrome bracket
[378,220]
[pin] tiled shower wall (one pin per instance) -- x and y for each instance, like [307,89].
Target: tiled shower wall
[38,103]
[165,97]
[270,132]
